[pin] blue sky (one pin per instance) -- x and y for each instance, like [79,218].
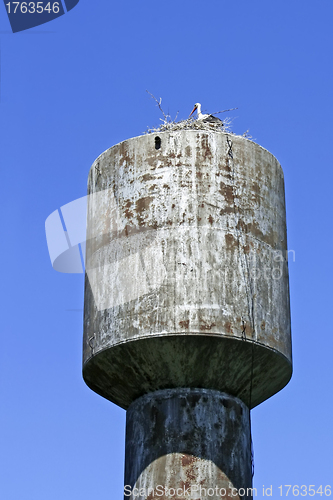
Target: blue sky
[76,86]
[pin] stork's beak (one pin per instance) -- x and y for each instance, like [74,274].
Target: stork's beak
[193,111]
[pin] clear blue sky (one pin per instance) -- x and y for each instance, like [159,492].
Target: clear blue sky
[76,86]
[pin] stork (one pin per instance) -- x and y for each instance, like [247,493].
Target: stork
[205,117]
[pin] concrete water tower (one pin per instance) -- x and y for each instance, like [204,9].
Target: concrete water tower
[187,319]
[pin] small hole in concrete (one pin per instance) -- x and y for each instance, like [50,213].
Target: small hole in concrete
[157,142]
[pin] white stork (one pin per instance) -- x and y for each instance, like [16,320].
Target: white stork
[205,117]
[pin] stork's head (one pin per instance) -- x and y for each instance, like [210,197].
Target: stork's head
[196,106]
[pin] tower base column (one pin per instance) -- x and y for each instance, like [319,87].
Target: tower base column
[188,444]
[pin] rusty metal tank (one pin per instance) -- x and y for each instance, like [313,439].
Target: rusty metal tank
[186,268]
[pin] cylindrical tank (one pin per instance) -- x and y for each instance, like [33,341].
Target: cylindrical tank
[186,268]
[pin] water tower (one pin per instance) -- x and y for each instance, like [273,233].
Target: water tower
[187,318]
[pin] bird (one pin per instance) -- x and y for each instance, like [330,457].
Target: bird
[205,117]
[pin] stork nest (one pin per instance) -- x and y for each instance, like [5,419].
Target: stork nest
[169,125]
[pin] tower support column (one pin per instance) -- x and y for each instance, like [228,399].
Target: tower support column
[188,443]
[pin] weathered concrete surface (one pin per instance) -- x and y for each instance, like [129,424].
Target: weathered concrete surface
[187,278]
[186,439]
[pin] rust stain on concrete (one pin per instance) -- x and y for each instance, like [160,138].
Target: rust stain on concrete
[230,240]
[127,211]
[142,206]
[205,147]
[227,192]
[270,237]
[188,151]
[207,326]
[148,177]
[228,327]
